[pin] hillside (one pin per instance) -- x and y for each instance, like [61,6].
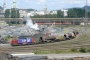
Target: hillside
[87,7]
[31,9]
[81,8]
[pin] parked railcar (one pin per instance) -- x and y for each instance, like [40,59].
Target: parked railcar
[47,38]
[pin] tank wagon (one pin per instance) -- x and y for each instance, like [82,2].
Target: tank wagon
[49,38]
[54,38]
[41,38]
[71,35]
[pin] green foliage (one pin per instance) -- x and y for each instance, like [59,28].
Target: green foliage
[89,14]
[87,7]
[76,13]
[74,50]
[83,50]
[12,22]
[24,22]
[7,13]
[72,13]
[58,51]
[30,9]
[60,14]
[18,14]
[1,7]
[15,13]
[48,51]
[9,23]
[77,23]
[37,52]
[7,37]
[43,52]
[88,50]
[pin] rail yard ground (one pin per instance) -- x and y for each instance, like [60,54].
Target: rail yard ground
[69,46]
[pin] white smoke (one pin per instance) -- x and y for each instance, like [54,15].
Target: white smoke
[31,24]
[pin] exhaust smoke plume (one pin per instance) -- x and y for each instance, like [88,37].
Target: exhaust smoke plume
[31,24]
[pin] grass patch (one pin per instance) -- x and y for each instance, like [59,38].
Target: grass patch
[74,50]
[43,52]
[58,51]
[88,50]
[47,51]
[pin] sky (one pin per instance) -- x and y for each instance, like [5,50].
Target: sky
[51,4]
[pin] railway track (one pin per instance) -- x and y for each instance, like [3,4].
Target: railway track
[69,44]
[32,48]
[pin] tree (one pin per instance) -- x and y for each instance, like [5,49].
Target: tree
[7,13]
[83,50]
[76,13]
[18,14]
[72,13]
[15,13]
[59,14]
[88,14]
[1,7]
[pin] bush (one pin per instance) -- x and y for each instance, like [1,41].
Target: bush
[40,52]
[74,50]
[58,51]
[88,50]
[83,50]
[7,38]
[77,23]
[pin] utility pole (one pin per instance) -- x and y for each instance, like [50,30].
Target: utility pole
[86,10]
[86,13]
